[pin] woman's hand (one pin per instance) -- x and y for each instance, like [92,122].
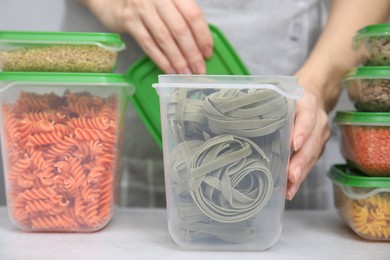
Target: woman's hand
[173,33]
[311,131]
[321,77]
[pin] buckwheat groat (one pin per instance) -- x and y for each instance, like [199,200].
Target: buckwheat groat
[60,58]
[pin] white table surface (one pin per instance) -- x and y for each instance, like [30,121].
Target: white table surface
[142,234]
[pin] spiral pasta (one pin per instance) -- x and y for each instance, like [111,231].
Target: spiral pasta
[61,160]
[370,217]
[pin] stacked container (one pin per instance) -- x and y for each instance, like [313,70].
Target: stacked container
[62,120]
[362,190]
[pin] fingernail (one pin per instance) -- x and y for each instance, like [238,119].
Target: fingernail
[199,67]
[296,174]
[186,70]
[292,191]
[207,52]
[298,143]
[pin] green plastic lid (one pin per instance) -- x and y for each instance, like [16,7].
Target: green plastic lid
[373,30]
[104,78]
[368,72]
[362,118]
[95,79]
[109,41]
[144,73]
[345,175]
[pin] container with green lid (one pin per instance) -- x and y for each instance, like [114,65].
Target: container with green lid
[369,88]
[365,141]
[59,51]
[375,39]
[61,136]
[362,202]
[145,72]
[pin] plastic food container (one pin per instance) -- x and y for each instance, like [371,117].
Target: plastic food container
[145,72]
[375,40]
[365,141]
[59,51]
[61,136]
[226,144]
[362,202]
[369,88]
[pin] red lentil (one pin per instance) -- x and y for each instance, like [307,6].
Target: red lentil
[367,148]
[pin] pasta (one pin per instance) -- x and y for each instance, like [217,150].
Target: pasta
[370,217]
[60,152]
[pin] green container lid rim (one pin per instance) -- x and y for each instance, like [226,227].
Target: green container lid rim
[105,40]
[337,174]
[373,30]
[64,77]
[356,118]
[368,72]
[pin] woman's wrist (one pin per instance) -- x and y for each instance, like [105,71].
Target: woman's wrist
[324,85]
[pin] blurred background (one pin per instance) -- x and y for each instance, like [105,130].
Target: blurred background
[47,15]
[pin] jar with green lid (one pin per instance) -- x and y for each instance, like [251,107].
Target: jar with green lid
[25,51]
[61,136]
[375,39]
[362,202]
[365,141]
[369,88]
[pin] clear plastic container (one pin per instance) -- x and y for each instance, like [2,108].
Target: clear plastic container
[362,202]
[369,88]
[365,141]
[61,136]
[375,40]
[59,51]
[226,144]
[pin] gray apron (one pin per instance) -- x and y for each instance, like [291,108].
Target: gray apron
[272,38]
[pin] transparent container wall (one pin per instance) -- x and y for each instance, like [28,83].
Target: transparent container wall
[61,153]
[368,216]
[370,94]
[378,50]
[366,148]
[56,57]
[225,155]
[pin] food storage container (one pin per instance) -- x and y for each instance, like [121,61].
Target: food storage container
[369,88]
[144,73]
[61,136]
[365,141]
[59,51]
[226,145]
[362,202]
[375,41]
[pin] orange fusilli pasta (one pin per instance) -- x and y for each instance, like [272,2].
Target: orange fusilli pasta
[61,159]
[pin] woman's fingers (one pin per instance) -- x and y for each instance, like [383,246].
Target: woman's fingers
[149,46]
[172,34]
[183,37]
[195,18]
[310,133]
[163,38]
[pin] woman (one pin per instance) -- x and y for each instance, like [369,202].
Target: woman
[272,37]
